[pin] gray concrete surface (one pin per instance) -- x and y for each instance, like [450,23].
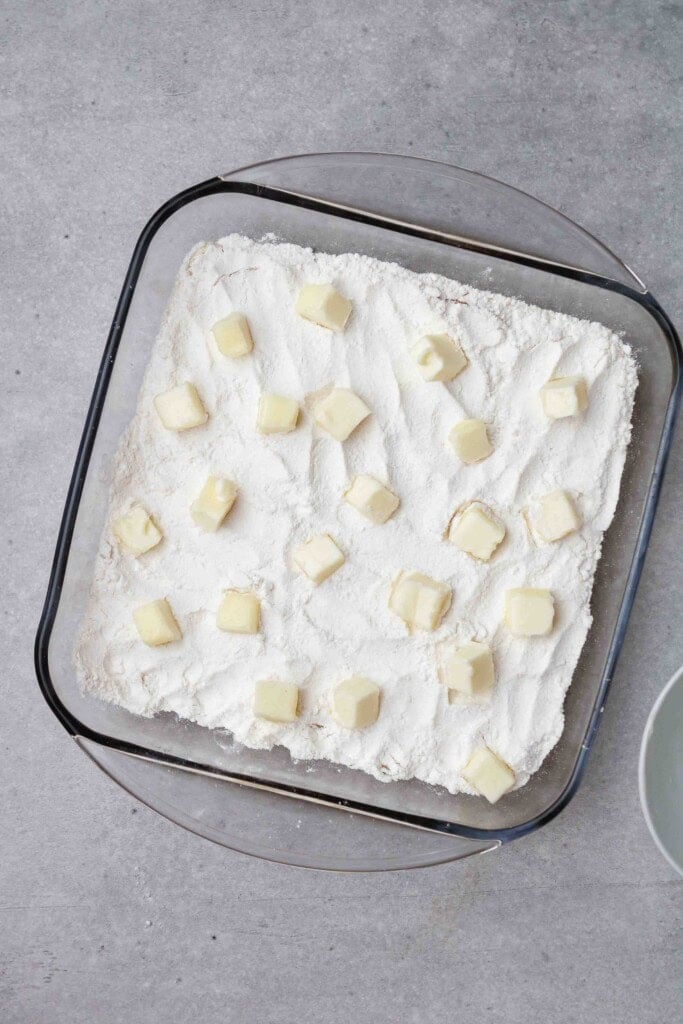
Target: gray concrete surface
[107,912]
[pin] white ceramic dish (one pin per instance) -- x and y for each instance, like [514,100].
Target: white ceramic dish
[660,772]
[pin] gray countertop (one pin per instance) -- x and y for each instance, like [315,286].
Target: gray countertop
[108,912]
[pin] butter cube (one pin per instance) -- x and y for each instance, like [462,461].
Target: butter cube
[490,776]
[529,611]
[323,305]
[156,623]
[470,441]
[420,600]
[276,701]
[233,336]
[137,531]
[215,500]
[356,703]
[181,408]
[340,412]
[467,669]
[439,357]
[558,516]
[318,558]
[239,612]
[371,498]
[276,414]
[564,396]
[476,531]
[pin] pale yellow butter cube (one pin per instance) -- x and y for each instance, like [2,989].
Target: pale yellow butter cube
[439,357]
[323,305]
[156,623]
[404,594]
[276,701]
[529,611]
[420,600]
[239,612]
[356,703]
[557,517]
[276,414]
[318,558]
[467,669]
[137,531]
[215,500]
[488,774]
[233,336]
[340,412]
[564,396]
[181,408]
[371,498]
[430,607]
[476,531]
[470,441]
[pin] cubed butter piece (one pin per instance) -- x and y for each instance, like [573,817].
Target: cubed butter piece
[276,701]
[439,357]
[319,557]
[340,412]
[181,408]
[323,305]
[529,611]
[276,414]
[470,441]
[468,668]
[239,612]
[156,623]
[371,498]
[215,500]
[488,774]
[420,600]
[356,703]
[557,517]
[564,396]
[476,531]
[137,531]
[233,336]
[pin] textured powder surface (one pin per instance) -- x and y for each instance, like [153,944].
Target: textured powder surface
[291,486]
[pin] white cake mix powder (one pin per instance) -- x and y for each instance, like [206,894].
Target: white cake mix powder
[291,486]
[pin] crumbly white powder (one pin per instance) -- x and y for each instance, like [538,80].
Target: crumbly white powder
[291,486]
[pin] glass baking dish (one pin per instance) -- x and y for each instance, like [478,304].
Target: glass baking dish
[427,217]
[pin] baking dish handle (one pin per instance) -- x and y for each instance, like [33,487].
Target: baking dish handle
[258,822]
[467,208]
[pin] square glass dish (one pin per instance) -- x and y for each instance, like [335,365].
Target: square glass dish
[427,217]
